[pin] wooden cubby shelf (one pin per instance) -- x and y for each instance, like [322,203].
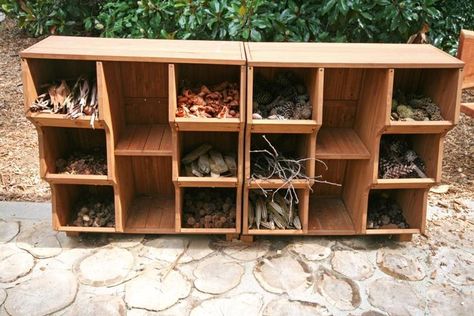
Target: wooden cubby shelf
[67,197]
[340,143]
[145,140]
[350,89]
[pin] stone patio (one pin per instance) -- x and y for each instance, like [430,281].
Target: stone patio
[44,272]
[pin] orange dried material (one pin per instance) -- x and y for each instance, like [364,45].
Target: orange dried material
[220,101]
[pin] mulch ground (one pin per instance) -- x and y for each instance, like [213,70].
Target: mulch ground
[19,166]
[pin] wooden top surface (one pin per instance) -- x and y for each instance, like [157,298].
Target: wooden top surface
[338,55]
[114,49]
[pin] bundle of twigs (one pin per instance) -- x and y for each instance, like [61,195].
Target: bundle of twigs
[269,164]
[81,100]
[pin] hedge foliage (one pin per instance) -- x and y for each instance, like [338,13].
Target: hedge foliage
[248,20]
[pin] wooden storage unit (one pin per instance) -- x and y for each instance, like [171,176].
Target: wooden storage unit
[350,88]
[137,87]
[354,89]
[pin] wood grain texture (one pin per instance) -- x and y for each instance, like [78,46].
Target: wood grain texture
[339,55]
[145,140]
[140,50]
[340,143]
[329,216]
[466,54]
[150,214]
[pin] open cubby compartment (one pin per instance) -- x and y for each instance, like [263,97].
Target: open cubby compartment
[295,146]
[441,85]
[413,203]
[60,142]
[67,198]
[354,109]
[338,209]
[227,143]
[429,147]
[147,194]
[303,196]
[37,73]
[184,76]
[196,193]
[312,78]
[137,94]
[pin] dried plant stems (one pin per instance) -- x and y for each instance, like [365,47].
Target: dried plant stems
[270,164]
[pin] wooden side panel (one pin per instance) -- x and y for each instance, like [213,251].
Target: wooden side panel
[414,205]
[466,54]
[372,108]
[334,173]
[444,87]
[342,83]
[430,149]
[339,113]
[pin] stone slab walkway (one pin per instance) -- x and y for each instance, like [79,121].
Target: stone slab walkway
[43,272]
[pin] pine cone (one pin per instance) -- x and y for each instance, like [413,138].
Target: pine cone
[420,115]
[262,97]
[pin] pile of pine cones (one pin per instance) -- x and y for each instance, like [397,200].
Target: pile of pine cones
[209,208]
[398,160]
[207,162]
[84,163]
[221,101]
[95,213]
[60,99]
[284,98]
[414,107]
[384,213]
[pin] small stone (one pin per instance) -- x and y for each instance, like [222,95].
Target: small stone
[105,267]
[338,290]
[400,266]
[282,273]
[8,230]
[285,307]
[237,305]
[387,295]
[440,189]
[217,275]
[44,294]
[14,263]
[354,265]
[150,292]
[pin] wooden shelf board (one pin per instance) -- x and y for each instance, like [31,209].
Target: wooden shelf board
[411,183]
[277,183]
[210,124]
[208,182]
[86,229]
[468,109]
[275,232]
[392,231]
[77,179]
[60,120]
[209,231]
[145,140]
[328,216]
[140,50]
[341,55]
[340,143]
[418,127]
[283,126]
[151,214]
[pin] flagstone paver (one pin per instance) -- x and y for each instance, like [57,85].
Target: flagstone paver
[45,272]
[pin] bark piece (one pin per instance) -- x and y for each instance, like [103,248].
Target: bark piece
[193,155]
[217,162]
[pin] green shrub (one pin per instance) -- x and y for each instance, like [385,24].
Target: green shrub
[248,20]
